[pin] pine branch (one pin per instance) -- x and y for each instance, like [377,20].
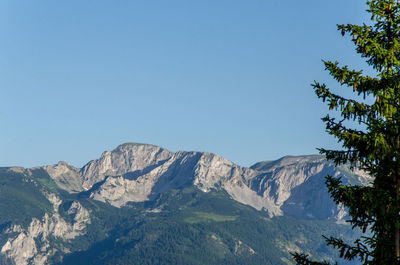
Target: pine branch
[365,85]
[370,144]
[340,157]
[303,259]
[379,42]
[350,252]
[350,109]
[358,200]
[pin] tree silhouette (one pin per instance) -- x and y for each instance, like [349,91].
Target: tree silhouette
[374,144]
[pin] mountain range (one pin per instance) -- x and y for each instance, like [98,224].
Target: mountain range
[143,204]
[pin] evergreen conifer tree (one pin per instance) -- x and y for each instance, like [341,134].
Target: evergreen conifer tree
[374,145]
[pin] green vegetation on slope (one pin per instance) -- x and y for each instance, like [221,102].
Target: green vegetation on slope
[22,195]
[192,227]
[200,217]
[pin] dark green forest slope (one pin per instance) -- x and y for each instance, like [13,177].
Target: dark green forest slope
[202,228]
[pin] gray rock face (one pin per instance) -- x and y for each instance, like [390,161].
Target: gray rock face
[142,185]
[22,245]
[296,185]
[137,172]
[205,170]
[125,158]
[66,176]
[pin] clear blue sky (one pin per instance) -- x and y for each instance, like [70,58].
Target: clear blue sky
[226,76]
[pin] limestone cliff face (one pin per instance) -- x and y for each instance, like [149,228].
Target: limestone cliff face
[125,158]
[289,186]
[297,186]
[32,245]
[147,183]
[215,172]
[66,176]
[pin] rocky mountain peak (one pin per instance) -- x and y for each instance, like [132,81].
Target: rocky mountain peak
[134,146]
[66,176]
[65,164]
[129,157]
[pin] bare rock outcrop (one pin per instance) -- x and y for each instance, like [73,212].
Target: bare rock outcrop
[66,176]
[125,158]
[32,245]
[292,185]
